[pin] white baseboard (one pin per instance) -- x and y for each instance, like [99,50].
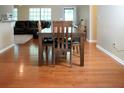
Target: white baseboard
[91,41]
[3,50]
[111,55]
[87,40]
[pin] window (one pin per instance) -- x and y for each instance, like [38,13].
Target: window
[40,14]
[45,13]
[15,14]
[34,14]
[69,14]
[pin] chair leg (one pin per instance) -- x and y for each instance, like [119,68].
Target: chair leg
[77,49]
[70,58]
[46,55]
[73,49]
[56,57]
[65,54]
[53,56]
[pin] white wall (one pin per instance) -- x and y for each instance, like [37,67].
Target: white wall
[57,11]
[110,21]
[83,12]
[5,9]
[6,29]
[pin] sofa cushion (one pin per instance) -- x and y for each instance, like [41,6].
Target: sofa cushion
[19,31]
[45,24]
[32,24]
[29,27]
[20,24]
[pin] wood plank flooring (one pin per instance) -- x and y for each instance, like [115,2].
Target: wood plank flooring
[19,68]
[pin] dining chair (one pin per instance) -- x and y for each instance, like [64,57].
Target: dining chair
[76,42]
[62,39]
[47,42]
[84,29]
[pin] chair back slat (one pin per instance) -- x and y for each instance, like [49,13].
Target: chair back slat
[66,37]
[63,31]
[58,37]
[62,37]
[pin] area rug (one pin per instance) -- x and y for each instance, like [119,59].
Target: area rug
[22,39]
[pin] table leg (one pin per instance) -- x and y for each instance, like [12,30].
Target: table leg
[81,50]
[40,53]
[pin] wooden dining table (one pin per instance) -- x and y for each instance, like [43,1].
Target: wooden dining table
[47,32]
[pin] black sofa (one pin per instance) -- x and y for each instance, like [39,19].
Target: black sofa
[29,27]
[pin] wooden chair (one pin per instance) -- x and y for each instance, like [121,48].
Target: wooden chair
[47,42]
[76,42]
[62,39]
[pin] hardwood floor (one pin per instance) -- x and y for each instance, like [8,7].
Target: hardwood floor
[19,68]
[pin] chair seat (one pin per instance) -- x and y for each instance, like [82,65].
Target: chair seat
[50,41]
[75,42]
[69,43]
[47,41]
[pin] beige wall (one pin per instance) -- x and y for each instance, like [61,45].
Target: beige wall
[84,13]
[93,22]
[6,29]
[110,29]
[57,11]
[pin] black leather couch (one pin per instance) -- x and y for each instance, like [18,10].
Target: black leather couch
[29,27]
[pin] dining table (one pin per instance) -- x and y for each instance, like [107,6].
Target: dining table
[47,32]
